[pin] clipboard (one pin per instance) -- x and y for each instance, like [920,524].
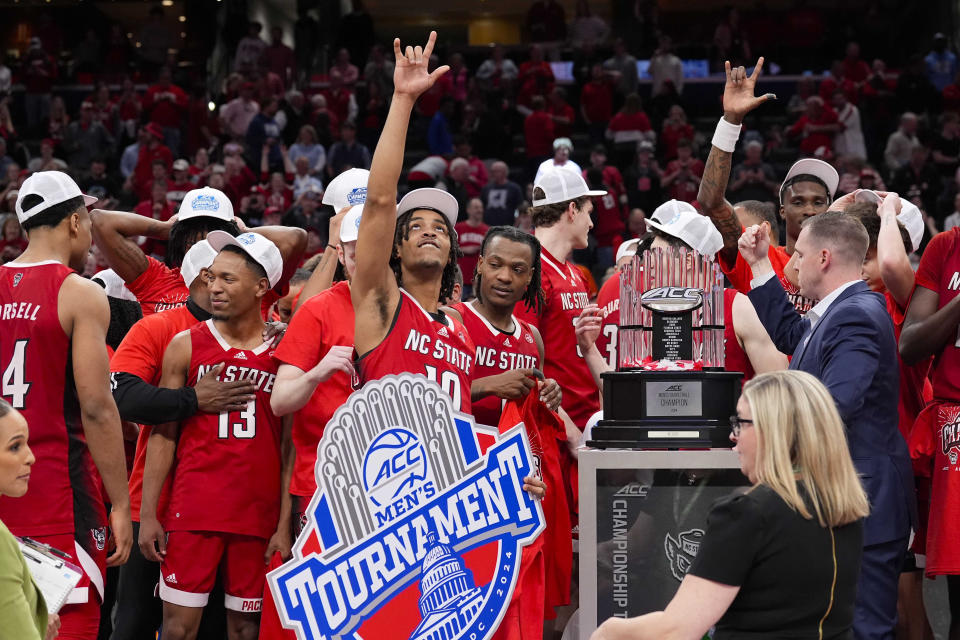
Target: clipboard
[52,572]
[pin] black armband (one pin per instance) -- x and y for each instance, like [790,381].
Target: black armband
[141,402]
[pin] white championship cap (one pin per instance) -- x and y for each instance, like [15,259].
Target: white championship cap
[433,199]
[681,220]
[199,257]
[816,168]
[909,216]
[208,202]
[347,189]
[258,247]
[627,248]
[560,185]
[53,188]
[350,225]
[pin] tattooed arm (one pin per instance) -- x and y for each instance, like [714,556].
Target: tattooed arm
[738,100]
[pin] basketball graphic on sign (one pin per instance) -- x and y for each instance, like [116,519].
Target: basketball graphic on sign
[395,464]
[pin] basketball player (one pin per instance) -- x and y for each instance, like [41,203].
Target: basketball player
[562,204]
[223,506]
[405,264]
[159,285]
[54,370]
[135,373]
[508,350]
[807,190]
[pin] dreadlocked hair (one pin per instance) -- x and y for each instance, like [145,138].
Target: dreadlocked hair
[186,233]
[533,297]
[402,233]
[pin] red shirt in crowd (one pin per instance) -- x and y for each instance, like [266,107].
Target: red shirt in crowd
[597,101]
[629,122]
[165,104]
[470,237]
[609,218]
[539,134]
[810,143]
[536,79]
[685,189]
[562,110]
[671,135]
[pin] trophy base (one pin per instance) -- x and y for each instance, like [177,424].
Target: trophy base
[667,410]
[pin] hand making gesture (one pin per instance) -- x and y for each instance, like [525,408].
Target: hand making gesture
[738,98]
[411,76]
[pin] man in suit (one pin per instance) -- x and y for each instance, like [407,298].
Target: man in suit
[847,341]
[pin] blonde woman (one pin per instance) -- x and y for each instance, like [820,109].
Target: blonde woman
[22,608]
[782,559]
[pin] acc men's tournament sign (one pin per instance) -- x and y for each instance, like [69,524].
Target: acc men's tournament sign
[414,531]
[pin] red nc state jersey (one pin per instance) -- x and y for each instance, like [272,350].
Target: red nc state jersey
[609,302]
[566,296]
[227,474]
[419,343]
[497,352]
[36,377]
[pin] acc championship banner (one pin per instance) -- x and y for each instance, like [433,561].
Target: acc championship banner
[414,531]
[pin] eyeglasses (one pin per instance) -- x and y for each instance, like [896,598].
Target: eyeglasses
[737,423]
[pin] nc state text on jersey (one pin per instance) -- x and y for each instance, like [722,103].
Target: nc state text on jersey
[263,380]
[421,343]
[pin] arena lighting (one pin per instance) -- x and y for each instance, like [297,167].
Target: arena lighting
[167,3]
[183,18]
[211,106]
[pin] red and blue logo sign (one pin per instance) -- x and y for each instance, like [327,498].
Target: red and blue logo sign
[414,531]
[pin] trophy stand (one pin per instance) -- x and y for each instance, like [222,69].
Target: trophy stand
[670,390]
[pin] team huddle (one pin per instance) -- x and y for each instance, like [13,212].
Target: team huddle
[228,407]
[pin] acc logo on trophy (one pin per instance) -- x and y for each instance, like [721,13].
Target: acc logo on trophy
[413,532]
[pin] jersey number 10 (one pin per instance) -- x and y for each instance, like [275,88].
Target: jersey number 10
[245,429]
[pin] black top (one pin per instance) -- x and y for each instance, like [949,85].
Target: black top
[784,566]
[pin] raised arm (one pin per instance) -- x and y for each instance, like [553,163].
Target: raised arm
[895,268]
[161,450]
[112,233]
[374,289]
[85,315]
[738,100]
[291,241]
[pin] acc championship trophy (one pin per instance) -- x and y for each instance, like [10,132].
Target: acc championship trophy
[670,389]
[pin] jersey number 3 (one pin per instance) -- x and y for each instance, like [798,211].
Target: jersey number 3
[245,429]
[12,384]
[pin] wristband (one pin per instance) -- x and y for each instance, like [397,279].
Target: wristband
[726,135]
[332,246]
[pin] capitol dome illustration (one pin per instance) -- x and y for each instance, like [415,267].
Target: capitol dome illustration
[448,598]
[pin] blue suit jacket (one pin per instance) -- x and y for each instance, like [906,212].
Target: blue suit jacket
[852,350]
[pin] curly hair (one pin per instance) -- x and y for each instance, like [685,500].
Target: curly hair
[402,233]
[186,233]
[533,297]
